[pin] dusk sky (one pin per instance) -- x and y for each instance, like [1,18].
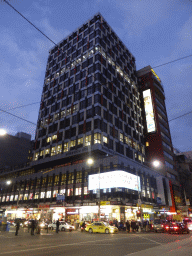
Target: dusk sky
[155,32]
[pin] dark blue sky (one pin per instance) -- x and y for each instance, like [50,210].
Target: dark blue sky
[155,32]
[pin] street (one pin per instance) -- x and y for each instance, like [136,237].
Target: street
[77,243]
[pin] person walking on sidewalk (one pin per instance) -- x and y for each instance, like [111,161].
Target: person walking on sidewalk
[17,227]
[32,227]
[128,226]
[57,226]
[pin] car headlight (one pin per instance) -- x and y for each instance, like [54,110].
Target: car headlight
[42,225]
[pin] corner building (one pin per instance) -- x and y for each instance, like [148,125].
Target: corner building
[90,106]
[156,128]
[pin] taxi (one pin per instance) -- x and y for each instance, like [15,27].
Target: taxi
[100,227]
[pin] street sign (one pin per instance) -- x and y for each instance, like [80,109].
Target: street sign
[60,197]
[139,202]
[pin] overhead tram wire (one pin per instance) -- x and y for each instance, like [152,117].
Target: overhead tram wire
[18,117]
[173,61]
[62,50]
[22,106]
[180,116]
[29,22]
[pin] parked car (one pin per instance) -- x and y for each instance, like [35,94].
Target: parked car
[64,226]
[100,227]
[177,227]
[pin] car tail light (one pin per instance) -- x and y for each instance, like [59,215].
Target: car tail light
[175,227]
[167,227]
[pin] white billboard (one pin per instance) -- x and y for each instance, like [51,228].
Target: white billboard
[114,179]
[149,111]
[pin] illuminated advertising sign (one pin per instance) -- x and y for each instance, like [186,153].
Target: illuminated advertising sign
[155,75]
[149,111]
[114,179]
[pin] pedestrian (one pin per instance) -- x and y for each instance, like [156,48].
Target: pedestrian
[137,226]
[32,227]
[38,227]
[17,227]
[57,226]
[29,225]
[128,226]
[144,225]
[133,225]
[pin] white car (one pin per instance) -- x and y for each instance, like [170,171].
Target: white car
[63,226]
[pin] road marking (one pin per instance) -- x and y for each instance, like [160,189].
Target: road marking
[149,239]
[62,245]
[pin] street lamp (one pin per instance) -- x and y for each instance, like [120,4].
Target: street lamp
[156,163]
[2,132]
[8,182]
[90,162]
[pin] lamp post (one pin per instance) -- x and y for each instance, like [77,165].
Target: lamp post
[2,132]
[91,162]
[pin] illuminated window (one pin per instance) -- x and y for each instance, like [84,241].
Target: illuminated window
[88,140]
[11,198]
[105,139]
[53,151]
[59,149]
[69,191]
[139,157]
[56,116]
[72,143]
[47,151]
[48,194]
[42,153]
[97,138]
[36,195]
[62,191]
[42,195]
[78,191]
[147,144]
[80,141]
[3,199]
[36,156]
[26,197]
[85,191]
[134,144]
[55,192]
[75,108]
[121,137]
[48,139]
[65,149]
[68,111]
[62,113]
[7,198]
[54,137]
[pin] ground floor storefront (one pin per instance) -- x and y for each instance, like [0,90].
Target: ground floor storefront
[89,211]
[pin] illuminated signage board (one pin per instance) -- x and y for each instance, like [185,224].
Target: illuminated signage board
[114,179]
[155,75]
[149,111]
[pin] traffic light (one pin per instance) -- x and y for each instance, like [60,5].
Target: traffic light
[138,214]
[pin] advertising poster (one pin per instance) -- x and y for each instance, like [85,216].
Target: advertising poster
[149,111]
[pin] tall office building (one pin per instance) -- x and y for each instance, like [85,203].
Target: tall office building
[90,99]
[90,106]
